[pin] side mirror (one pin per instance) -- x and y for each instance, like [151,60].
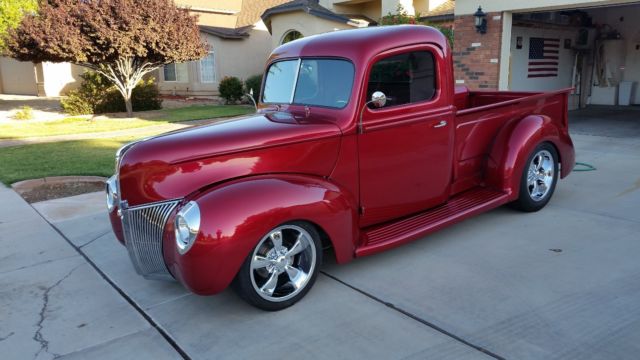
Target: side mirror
[378,99]
[250,96]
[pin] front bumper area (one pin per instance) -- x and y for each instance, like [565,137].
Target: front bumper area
[143,229]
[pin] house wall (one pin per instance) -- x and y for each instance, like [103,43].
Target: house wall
[240,58]
[59,78]
[378,8]
[476,57]
[304,23]
[18,77]
[371,9]
[465,7]
[221,13]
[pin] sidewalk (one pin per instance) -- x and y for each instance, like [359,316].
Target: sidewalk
[54,304]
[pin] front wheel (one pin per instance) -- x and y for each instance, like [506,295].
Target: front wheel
[281,268]
[539,178]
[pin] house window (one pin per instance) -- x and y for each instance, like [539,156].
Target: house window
[405,78]
[175,73]
[207,69]
[291,35]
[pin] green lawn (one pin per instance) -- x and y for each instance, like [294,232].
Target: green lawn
[77,125]
[86,157]
[204,112]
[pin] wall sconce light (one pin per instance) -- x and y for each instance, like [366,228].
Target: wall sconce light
[480,21]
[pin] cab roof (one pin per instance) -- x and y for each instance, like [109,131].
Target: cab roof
[359,45]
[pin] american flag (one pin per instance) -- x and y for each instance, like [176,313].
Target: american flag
[543,57]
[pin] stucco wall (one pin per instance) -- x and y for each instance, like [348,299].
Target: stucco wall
[59,78]
[239,58]
[470,6]
[371,9]
[304,23]
[206,11]
[18,77]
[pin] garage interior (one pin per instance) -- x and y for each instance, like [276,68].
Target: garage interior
[594,50]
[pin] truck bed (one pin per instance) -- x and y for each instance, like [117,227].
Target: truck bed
[479,117]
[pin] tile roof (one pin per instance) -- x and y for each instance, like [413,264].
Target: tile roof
[252,10]
[311,7]
[441,12]
[227,33]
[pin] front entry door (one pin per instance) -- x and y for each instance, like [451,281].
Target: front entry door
[405,147]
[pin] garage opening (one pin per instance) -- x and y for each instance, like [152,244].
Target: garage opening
[595,50]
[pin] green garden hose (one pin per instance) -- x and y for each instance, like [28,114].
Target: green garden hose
[583,167]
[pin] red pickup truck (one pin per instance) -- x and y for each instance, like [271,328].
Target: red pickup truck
[361,142]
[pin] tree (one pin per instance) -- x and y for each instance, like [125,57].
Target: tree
[11,13]
[401,16]
[120,39]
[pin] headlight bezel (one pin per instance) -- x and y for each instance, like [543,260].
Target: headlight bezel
[187,226]
[112,193]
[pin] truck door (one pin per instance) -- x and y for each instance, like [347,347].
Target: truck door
[406,146]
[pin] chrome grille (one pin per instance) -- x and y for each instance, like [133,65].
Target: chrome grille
[143,228]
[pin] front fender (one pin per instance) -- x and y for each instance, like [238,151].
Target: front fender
[513,145]
[236,215]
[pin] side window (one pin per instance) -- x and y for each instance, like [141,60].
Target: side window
[404,78]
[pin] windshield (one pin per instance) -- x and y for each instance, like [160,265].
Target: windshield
[316,82]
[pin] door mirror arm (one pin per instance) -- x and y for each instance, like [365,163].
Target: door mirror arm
[378,99]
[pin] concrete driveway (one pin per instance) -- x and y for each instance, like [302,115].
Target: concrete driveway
[560,283]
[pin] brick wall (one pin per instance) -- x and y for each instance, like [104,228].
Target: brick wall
[476,56]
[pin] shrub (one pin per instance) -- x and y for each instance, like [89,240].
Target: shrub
[25,113]
[254,83]
[76,103]
[231,89]
[144,97]
[97,95]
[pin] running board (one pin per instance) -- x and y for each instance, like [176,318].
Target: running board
[458,208]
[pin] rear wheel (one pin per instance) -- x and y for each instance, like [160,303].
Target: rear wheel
[281,268]
[539,178]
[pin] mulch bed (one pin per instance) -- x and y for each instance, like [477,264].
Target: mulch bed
[60,190]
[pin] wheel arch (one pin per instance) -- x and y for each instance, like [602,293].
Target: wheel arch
[252,207]
[513,145]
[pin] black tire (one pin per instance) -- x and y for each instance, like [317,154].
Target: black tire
[531,200]
[253,277]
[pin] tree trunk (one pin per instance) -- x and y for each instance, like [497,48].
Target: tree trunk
[128,104]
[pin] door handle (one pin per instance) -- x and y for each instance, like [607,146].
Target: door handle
[440,124]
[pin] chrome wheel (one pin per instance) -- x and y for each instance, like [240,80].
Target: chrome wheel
[540,175]
[282,263]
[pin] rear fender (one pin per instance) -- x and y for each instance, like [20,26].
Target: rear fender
[513,145]
[236,215]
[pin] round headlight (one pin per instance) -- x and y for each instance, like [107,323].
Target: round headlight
[187,225]
[112,193]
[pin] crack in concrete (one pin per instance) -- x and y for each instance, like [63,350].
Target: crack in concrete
[37,336]
[37,264]
[3,338]
[94,239]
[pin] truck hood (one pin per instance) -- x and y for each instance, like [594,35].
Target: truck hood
[234,135]
[176,164]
